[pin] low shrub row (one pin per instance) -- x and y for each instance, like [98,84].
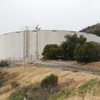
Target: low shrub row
[4,63]
[74,48]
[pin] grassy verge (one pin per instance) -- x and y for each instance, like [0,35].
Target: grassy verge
[91,87]
[36,92]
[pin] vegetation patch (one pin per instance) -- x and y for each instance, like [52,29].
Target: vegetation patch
[18,94]
[4,63]
[88,52]
[75,71]
[73,48]
[88,84]
[37,92]
[91,87]
[32,93]
[62,94]
[49,81]
[94,29]
[64,51]
[48,89]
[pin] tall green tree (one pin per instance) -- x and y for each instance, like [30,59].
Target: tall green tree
[70,44]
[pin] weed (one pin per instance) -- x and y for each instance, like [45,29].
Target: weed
[75,71]
[49,81]
[60,95]
[88,87]
[4,63]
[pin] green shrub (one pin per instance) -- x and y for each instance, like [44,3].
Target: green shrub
[60,95]
[88,84]
[4,63]
[32,92]
[65,50]
[18,94]
[75,71]
[69,45]
[88,52]
[52,51]
[49,81]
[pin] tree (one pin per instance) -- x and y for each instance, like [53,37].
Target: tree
[66,50]
[70,44]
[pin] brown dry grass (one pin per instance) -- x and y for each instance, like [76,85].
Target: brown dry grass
[92,65]
[87,97]
[31,74]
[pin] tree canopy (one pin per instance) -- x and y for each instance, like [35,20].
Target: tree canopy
[94,29]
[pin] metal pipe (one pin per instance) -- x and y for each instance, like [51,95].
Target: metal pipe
[37,39]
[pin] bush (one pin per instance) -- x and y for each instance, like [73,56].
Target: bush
[52,51]
[49,81]
[88,52]
[4,63]
[32,92]
[65,50]
[74,48]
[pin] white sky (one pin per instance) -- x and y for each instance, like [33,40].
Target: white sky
[50,14]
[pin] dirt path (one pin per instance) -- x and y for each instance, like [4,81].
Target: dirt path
[70,66]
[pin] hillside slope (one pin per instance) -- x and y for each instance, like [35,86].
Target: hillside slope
[32,74]
[94,29]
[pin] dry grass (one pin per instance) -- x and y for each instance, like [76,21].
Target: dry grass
[32,74]
[92,65]
[87,97]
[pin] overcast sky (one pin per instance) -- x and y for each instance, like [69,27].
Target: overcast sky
[50,14]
